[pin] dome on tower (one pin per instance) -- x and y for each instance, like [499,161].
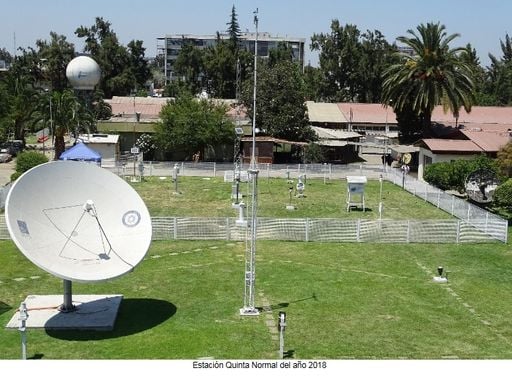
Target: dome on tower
[83,73]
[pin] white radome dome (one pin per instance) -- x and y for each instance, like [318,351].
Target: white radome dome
[83,73]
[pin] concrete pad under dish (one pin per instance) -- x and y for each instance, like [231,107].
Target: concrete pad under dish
[93,312]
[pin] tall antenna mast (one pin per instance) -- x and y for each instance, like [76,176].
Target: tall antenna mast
[249,308]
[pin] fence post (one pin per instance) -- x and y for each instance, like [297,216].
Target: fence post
[408,231]
[453,203]
[486,220]
[457,238]
[175,222]
[358,231]
[214,169]
[438,197]
[469,211]
[307,229]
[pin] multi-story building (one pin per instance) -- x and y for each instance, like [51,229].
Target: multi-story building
[170,46]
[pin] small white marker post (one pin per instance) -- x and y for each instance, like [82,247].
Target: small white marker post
[175,172]
[282,327]
[23,329]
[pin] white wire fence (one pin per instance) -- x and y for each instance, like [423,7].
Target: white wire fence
[325,230]
[473,224]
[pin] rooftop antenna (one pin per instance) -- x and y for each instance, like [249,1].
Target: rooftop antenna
[249,308]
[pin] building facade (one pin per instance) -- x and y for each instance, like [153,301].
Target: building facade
[170,46]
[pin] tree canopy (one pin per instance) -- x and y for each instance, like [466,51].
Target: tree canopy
[123,69]
[192,125]
[434,74]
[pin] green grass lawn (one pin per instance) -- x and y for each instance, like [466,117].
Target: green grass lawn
[211,197]
[342,301]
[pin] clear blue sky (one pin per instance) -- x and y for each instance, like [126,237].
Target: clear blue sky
[482,23]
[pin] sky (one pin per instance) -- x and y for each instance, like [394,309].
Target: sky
[481,23]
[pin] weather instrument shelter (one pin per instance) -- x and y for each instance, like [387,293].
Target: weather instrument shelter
[355,191]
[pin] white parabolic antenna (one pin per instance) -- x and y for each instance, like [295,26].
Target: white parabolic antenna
[78,221]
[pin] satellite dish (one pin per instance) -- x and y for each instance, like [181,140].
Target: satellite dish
[78,221]
[481,184]
[406,158]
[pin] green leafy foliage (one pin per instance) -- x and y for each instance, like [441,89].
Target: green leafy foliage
[27,160]
[191,125]
[433,74]
[502,202]
[281,111]
[453,175]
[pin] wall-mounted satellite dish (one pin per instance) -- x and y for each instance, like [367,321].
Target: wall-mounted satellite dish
[78,221]
[406,158]
[481,184]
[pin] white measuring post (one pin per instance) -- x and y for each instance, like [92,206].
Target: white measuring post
[23,329]
[282,327]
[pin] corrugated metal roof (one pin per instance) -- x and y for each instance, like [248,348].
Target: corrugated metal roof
[334,134]
[450,145]
[273,139]
[99,138]
[332,143]
[324,113]
[478,114]
[368,113]
[489,141]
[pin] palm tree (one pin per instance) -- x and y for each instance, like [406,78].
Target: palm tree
[68,114]
[434,74]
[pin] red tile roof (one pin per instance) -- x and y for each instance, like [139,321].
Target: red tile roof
[478,114]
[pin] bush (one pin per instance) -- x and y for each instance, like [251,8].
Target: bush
[453,175]
[314,154]
[502,202]
[27,160]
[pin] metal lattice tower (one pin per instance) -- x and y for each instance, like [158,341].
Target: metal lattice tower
[252,228]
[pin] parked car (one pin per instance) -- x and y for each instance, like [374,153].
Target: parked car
[12,147]
[5,157]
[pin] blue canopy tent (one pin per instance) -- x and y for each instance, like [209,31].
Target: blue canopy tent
[81,152]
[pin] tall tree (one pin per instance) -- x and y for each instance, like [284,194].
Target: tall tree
[138,64]
[499,74]
[192,125]
[234,30]
[5,56]
[189,67]
[281,111]
[55,56]
[220,63]
[434,74]
[123,69]
[67,115]
[22,93]
[340,53]
[376,55]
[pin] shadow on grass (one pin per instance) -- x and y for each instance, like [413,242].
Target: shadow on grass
[135,315]
[288,354]
[36,357]
[286,304]
[4,308]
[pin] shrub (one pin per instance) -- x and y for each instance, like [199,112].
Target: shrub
[453,175]
[27,160]
[502,202]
